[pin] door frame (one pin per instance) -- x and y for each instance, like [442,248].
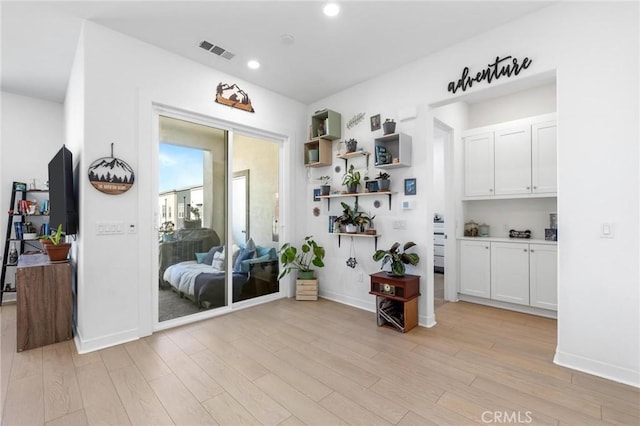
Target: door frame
[450,214]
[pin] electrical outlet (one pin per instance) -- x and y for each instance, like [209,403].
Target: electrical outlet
[360,276]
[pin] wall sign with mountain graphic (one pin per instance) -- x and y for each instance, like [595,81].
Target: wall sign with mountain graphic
[233,96]
[111,175]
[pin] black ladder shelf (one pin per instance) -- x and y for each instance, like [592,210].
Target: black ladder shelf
[8,240]
[18,192]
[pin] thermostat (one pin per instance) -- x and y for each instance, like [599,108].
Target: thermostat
[408,204]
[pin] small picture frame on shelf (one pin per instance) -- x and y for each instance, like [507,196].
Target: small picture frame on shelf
[410,186]
[316,194]
[371,186]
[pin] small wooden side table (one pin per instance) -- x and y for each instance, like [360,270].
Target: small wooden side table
[396,300]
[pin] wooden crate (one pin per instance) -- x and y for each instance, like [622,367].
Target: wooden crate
[307,289]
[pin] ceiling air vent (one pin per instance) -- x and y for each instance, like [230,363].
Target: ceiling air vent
[220,51]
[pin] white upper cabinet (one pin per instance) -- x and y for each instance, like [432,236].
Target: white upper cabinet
[478,165]
[514,159]
[544,157]
[512,154]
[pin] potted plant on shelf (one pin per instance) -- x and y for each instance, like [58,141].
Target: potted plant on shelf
[310,253]
[383,181]
[351,179]
[58,248]
[351,145]
[389,126]
[325,188]
[351,219]
[396,258]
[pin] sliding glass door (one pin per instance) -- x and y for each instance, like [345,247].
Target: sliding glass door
[204,259]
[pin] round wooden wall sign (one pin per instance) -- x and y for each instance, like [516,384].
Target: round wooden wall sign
[111,175]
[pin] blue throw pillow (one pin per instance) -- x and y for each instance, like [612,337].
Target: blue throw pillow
[208,259]
[243,255]
[200,257]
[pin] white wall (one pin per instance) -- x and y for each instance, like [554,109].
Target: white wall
[32,132]
[597,99]
[521,104]
[122,78]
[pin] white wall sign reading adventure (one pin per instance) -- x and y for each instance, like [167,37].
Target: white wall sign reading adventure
[500,67]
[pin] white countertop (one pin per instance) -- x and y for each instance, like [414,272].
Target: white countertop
[510,240]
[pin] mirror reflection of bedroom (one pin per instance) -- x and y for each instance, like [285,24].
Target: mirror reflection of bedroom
[195,273]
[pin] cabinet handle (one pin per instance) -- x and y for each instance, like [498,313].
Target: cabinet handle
[490,189]
[531,250]
[535,187]
[528,187]
[487,247]
[524,249]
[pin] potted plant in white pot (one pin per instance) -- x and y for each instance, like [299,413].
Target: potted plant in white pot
[351,179]
[349,218]
[310,254]
[325,188]
[396,258]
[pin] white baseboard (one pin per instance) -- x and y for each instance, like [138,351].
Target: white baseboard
[349,301]
[598,368]
[85,346]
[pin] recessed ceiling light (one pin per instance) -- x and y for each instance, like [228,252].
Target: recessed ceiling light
[331,9]
[253,64]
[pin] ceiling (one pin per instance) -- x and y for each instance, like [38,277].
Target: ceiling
[366,39]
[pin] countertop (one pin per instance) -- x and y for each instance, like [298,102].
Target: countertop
[510,240]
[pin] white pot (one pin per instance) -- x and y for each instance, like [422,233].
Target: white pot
[351,229]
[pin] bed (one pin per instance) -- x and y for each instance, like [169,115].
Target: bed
[203,280]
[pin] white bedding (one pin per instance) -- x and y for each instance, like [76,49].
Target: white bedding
[183,275]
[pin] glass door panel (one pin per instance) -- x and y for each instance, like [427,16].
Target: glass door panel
[255,166]
[192,221]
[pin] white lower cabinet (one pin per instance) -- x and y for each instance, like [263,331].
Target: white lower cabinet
[510,272]
[543,271]
[513,272]
[475,268]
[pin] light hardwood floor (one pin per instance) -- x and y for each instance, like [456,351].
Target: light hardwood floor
[293,363]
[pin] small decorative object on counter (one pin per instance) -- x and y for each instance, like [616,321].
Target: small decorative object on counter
[519,234]
[483,230]
[471,229]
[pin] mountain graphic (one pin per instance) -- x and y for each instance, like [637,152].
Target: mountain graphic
[233,96]
[111,169]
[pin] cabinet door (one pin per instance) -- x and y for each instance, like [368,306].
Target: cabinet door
[543,271]
[478,165]
[544,157]
[512,152]
[475,268]
[510,272]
